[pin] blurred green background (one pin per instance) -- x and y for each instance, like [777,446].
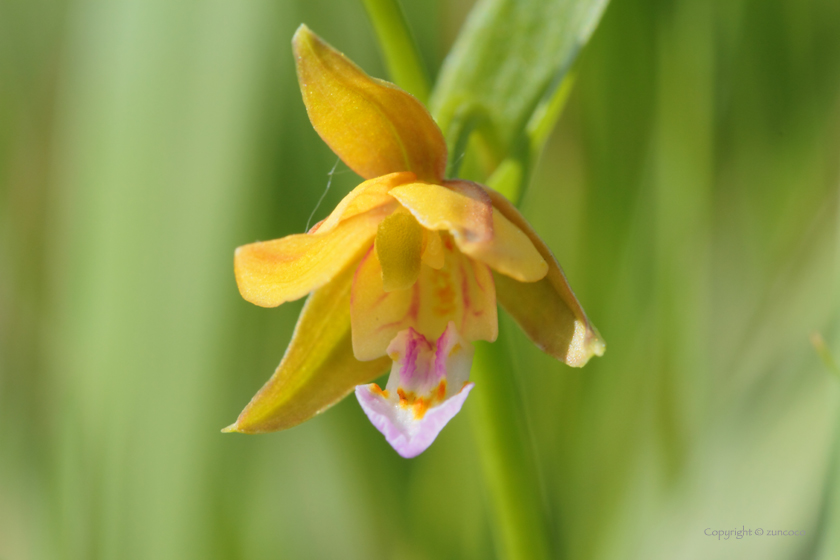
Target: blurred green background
[690,192]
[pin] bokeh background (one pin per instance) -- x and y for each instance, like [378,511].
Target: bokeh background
[690,192]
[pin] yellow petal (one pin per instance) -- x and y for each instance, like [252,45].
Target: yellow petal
[481,232]
[318,369]
[461,291]
[399,247]
[432,249]
[510,251]
[273,272]
[367,196]
[546,310]
[462,208]
[373,126]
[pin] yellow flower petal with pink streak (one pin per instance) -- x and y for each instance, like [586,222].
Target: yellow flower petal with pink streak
[273,272]
[461,291]
[480,230]
[318,369]
[548,310]
[373,126]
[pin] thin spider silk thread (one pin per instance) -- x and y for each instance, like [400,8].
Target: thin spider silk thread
[324,195]
[458,161]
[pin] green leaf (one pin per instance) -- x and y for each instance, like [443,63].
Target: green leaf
[513,173]
[508,64]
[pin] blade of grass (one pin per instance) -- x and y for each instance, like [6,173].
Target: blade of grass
[398,47]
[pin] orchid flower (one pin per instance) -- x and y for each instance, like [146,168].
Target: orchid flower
[405,272]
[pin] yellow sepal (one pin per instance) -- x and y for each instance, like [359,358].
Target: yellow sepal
[547,310]
[273,272]
[373,126]
[318,369]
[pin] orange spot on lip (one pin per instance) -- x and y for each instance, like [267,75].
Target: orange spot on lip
[420,407]
[405,399]
[379,391]
[441,390]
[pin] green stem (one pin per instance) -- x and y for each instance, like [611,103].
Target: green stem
[507,457]
[397,43]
